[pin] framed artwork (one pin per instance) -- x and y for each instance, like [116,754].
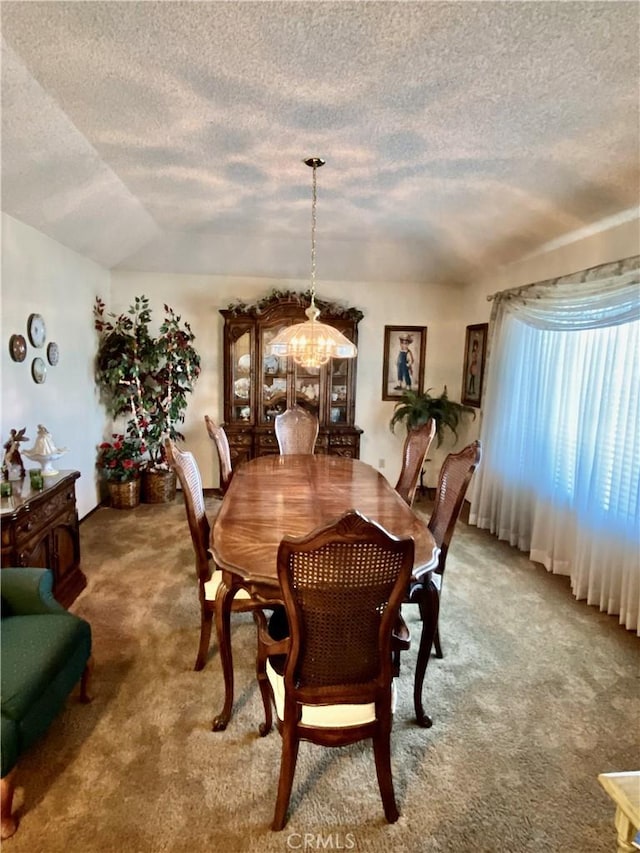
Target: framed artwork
[475,351]
[403,364]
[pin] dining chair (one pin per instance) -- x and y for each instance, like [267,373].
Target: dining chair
[416,447]
[296,431]
[219,437]
[453,482]
[188,473]
[331,679]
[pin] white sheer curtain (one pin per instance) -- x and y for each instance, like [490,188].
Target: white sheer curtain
[560,474]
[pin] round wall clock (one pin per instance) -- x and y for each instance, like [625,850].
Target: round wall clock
[53,353]
[36,329]
[38,370]
[17,347]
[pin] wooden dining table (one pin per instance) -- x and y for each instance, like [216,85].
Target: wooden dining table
[275,496]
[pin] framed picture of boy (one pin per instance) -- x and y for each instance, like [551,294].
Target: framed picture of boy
[403,363]
[475,351]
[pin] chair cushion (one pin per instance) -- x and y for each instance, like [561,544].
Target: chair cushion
[35,649]
[211,587]
[326,716]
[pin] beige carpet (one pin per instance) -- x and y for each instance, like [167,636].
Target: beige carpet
[536,695]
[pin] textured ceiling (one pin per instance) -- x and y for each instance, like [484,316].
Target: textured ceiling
[169,136]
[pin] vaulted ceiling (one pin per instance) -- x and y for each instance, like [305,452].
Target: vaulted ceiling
[169,136]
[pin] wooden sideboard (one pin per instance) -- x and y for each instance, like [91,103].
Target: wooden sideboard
[40,529]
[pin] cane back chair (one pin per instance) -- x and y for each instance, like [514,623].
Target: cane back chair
[453,482]
[331,679]
[416,447]
[188,473]
[296,431]
[219,437]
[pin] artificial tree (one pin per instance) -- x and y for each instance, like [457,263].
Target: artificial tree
[144,377]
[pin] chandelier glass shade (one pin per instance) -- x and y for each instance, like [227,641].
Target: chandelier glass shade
[312,343]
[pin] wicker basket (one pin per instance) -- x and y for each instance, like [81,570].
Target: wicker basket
[158,487]
[124,495]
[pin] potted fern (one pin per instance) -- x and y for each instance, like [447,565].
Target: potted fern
[414,408]
[146,378]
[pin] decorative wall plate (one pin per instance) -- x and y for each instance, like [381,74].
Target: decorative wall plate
[18,347]
[38,370]
[37,330]
[53,353]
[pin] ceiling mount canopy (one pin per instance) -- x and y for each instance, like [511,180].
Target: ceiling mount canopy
[312,344]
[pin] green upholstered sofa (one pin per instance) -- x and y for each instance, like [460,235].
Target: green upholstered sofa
[45,652]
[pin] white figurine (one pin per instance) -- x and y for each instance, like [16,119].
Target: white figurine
[45,451]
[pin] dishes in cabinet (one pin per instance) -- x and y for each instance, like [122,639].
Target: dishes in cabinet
[276,409]
[308,371]
[278,386]
[241,388]
[271,364]
[309,392]
[339,392]
[244,363]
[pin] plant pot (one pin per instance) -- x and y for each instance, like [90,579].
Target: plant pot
[124,495]
[158,487]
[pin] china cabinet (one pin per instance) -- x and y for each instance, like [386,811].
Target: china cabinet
[259,385]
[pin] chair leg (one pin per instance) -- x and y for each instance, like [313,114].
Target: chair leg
[8,823]
[428,601]
[290,744]
[261,674]
[382,754]
[436,643]
[206,624]
[395,663]
[85,681]
[224,602]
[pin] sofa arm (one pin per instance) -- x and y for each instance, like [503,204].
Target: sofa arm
[10,740]
[29,591]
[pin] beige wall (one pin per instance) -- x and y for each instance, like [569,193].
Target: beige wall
[199,298]
[608,244]
[41,276]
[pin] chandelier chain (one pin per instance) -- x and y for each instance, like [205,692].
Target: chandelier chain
[312,344]
[314,199]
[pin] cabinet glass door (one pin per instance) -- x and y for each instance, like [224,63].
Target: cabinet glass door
[273,378]
[241,379]
[338,390]
[308,388]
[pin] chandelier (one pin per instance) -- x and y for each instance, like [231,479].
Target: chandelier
[312,344]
